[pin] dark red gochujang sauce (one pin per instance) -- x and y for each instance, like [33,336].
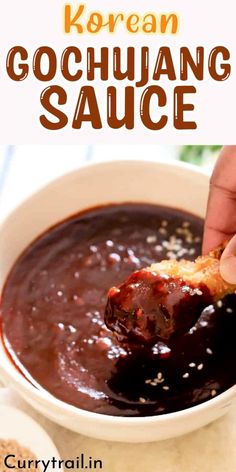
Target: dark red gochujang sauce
[53,305]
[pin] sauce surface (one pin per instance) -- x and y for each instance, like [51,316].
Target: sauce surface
[53,306]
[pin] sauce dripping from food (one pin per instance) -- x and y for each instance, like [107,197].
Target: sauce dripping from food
[149,307]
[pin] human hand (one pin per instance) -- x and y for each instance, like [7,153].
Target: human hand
[220,224]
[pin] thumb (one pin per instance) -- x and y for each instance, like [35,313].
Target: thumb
[228,262]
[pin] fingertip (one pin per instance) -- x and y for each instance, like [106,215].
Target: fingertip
[230,249]
[228,262]
[228,269]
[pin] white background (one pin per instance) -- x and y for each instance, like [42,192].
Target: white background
[24,169]
[36,23]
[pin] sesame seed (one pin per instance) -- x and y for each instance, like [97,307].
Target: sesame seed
[171,255]
[72,329]
[213,392]
[158,248]
[182,252]
[93,248]
[192,364]
[203,323]
[197,239]
[159,381]
[185,289]
[189,239]
[176,247]
[162,231]
[192,251]
[186,224]
[209,351]
[186,375]
[164,223]
[151,239]
[142,400]
[219,303]
[179,231]
[192,330]
[109,243]
[165,387]
[229,310]
[179,240]
[60,293]
[200,367]
[198,292]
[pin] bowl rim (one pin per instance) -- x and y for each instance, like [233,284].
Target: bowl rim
[41,394]
[84,166]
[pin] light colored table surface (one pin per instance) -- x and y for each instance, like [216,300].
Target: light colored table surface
[211,449]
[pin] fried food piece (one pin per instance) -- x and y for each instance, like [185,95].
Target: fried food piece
[165,299]
[204,270]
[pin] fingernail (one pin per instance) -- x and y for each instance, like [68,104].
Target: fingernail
[228,269]
[228,262]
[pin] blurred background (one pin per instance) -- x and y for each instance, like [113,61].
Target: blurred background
[23,169]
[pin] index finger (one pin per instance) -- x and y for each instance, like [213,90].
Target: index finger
[220,223]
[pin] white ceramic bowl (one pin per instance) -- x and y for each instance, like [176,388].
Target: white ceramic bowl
[174,185]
